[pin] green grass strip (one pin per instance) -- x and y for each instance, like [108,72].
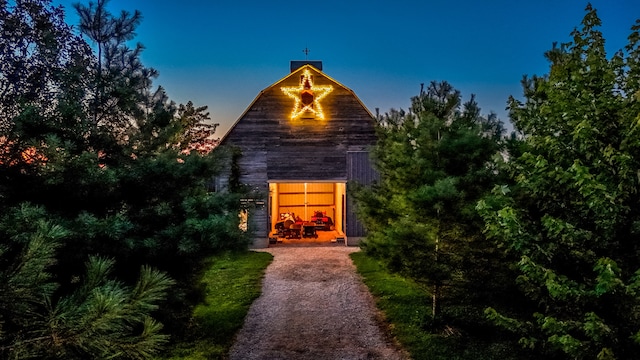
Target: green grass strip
[404,303]
[233,281]
[407,308]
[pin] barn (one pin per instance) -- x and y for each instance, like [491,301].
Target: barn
[301,142]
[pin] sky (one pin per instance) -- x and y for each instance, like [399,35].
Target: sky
[222,53]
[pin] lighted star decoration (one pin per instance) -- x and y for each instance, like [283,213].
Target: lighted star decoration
[307,96]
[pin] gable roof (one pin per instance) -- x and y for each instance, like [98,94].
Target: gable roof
[288,78]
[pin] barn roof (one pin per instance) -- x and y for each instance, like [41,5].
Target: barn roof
[303,127]
[298,69]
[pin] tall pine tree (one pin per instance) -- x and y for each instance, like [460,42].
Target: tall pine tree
[435,162]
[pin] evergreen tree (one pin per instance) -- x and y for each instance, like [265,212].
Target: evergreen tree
[572,218]
[101,318]
[27,255]
[84,137]
[125,188]
[118,70]
[435,162]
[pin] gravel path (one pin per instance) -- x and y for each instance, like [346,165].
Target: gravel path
[313,306]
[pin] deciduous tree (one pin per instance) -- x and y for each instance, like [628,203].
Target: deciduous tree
[572,218]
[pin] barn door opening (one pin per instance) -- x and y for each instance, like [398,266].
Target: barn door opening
[305,199]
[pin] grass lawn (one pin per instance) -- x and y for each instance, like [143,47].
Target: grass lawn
[233,281]
[407,307]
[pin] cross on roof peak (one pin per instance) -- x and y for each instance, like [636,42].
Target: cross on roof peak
[306,53]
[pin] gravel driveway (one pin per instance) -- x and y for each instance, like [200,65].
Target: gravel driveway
[313,306]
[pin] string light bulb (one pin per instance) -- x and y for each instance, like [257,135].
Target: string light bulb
[303,93]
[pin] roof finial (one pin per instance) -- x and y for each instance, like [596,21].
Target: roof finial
[306,53]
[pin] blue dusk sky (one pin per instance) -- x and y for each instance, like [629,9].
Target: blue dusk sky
[223,53]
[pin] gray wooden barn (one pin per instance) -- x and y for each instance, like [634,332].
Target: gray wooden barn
[302,140]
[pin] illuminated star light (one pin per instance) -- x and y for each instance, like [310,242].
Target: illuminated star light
[295,93]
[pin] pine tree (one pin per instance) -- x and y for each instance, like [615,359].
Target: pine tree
[434,164]
[572,218]
[107,159]
[101,318]
[115,61]
[26,282]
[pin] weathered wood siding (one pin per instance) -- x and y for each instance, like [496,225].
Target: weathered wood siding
[359,169]
[253,169]
[302,149]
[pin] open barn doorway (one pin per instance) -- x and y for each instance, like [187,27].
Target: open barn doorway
[303,212]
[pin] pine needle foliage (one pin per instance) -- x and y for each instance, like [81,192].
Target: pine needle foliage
[25,277]
[104,318]
[435,162]
[101,318]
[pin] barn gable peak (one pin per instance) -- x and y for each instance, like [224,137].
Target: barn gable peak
[297,64]
[276,103]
